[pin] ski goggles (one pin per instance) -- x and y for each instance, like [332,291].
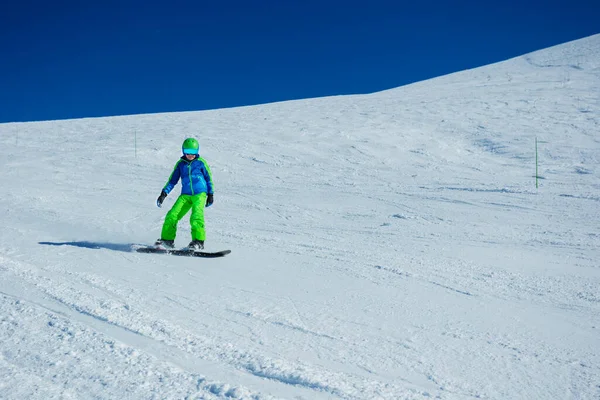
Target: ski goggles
[190,151]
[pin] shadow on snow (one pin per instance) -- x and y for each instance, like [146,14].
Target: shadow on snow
[125,247]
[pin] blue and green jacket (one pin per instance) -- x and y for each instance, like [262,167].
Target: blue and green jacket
[195,177]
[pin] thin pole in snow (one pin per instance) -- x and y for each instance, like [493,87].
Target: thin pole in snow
[536,162]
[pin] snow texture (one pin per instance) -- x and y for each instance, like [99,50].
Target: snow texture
[384,246]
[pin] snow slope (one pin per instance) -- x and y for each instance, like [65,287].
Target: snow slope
[385,246]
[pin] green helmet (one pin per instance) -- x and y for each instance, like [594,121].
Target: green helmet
[190,146]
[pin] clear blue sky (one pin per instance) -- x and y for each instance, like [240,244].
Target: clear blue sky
[72,59]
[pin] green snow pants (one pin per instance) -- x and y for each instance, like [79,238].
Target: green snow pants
[182,205]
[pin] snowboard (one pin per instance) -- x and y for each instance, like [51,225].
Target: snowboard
[182,252]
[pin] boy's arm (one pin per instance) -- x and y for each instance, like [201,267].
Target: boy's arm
[210,198]
[209,180]
[173,179]
[207,177]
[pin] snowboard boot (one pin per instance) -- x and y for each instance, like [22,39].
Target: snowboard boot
[196,245]
[164,243]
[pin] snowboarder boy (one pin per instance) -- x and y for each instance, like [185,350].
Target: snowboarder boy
[196,193]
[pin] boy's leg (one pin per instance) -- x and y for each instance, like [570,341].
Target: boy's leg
[197,217]
[180,208]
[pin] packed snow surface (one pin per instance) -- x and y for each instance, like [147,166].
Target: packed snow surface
[384,246]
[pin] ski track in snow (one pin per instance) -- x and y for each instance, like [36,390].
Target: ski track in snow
[386,246]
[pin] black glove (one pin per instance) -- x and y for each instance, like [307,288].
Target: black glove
[209,199]
[161,198]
